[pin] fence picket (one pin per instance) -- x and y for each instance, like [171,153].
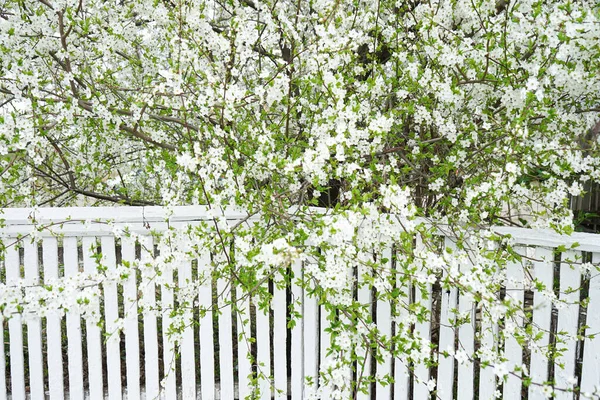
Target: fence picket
[568,315]
[422,330]
[487,377]
[188,357]
[590,379]
[148,288]
[466,339]
[364,294]
[445,375]
[512,349]
[207,349]
[263,347]
[325,340]
[169,360]
[244,343]
[279,342]
[401,367]
[53,323]
[3,391]
[225,339]
[130,309]
[311,344]
[297,351]
[15,329]
[34,325]
[488,346]
[74,353]
[542,314]
[94,338]
[111,312]
[384,324]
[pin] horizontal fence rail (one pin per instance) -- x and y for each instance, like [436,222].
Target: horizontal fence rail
[237,347]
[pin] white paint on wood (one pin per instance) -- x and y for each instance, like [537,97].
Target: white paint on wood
[512,349]
[422,328]
[590,378]
[74,352]
[364,273]
[3,390]
[466,338]
[309,337]
[311,344]
[225,337]
[244,347]
[445,375]
[297,351]
[148,288]
[169,360]
[279,342]
[111,312]
[130,307]
[94,338]
[187,350]
[263,344]
[487,377]
[53,323]
[34,325]
[384,324]
[489,342]
[401,370]
[325,340]
[543,269]
[15,329]
[568,316]
[207,356]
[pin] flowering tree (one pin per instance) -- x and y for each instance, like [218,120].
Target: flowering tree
[467,114]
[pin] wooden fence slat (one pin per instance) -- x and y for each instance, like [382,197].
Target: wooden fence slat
[590,379]
[244,343]
[512,349]
[325,342]
[364,297]
[34,325]
[53,323]
[466,340]
[263,347]
[311,344]
[568,316]
[297,351]
[279,342]
[169,360]
[445,375]
[401,367]
[207,349]
[130,309]
[111,312]
[487,377]
[489,340]
[542,315]
[15,329]
[188,356]
[148,288]
[94,336]
[225,339]
[74,353]
[384,324]
[422,330]
[3,391]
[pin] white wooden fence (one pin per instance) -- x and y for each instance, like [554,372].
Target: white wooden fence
[57,358]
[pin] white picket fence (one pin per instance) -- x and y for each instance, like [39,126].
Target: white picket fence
[58,358]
